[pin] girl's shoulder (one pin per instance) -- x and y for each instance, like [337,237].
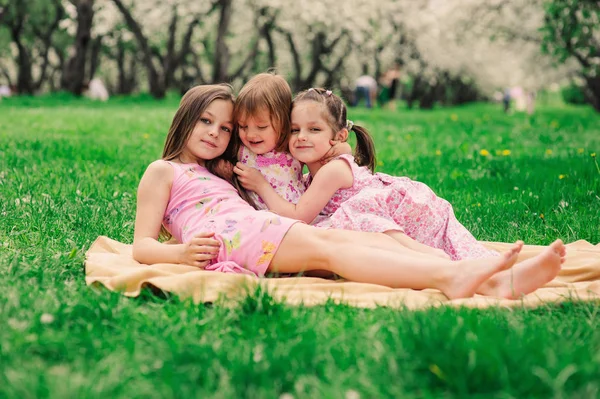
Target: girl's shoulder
[349,158]
[344,159]
[338,170]
[161,169]
[159,175]
[161,165]
[342,163]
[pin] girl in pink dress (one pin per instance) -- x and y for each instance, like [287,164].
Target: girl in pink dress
[219,231]
[344,195]
[262,111]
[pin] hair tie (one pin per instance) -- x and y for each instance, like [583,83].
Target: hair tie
[328,92]
[349,124]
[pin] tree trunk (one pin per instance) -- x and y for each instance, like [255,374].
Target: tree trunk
[221,61]
[156,85]
[266,33]
[125,79]
[25,84]
[270,45]
[46,37]
[333,74]
[169,62]
[95,48]
[415,92]
[6,75]
[592,91]
[74,75]
[178,60]
[428,99]
[297,81]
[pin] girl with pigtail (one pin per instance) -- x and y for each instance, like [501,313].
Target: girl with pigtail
[346,194]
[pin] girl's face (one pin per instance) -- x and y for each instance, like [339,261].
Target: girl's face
[309,141]
[211,135]
[258,133]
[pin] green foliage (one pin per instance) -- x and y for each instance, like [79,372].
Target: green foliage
[572,94]
[68,173]
[571,31]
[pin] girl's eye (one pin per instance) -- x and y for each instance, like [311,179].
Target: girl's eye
[205,121]
[262,127]
[315,129]
[226,129]
[243,127]
[295,131]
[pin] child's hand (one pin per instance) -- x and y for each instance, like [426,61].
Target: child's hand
[338,148]
[250,178]
[224,169]
[201,249]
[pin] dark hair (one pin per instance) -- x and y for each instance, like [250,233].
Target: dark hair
[336,116]
[192,105]
[271,92]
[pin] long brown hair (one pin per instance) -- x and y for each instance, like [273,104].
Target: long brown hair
[336,116]
[195,101]
[272,93]
[192,105]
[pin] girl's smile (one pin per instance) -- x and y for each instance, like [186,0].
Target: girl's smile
[311,133]
[258,133]
[211,135]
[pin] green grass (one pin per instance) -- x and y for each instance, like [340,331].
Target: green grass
[68,173]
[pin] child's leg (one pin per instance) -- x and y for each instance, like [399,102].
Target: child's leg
[527,276]
[308,248]
[524,278]
[408,242]
[389,243]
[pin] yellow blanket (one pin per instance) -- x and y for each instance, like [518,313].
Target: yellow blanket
[111,264]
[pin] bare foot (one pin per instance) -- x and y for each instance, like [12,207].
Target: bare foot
[466,276]
[527,276]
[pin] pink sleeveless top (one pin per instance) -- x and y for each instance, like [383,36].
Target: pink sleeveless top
[203,202]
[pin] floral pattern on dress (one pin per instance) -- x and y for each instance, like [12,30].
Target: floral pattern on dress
[379,202]
[280,169]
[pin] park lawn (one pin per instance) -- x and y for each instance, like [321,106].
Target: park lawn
[68,173]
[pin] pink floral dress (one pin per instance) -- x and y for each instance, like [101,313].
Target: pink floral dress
[379,202]
[281,170]
[202,202]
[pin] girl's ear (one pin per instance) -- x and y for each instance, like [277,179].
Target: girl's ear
[342,135]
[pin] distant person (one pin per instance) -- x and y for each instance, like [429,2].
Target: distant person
[506,100]
[365,88]
[5,91]
[517,94]
[96,90]
[391,79]
[530,101]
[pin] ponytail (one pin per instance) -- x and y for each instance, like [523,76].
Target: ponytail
[364,154]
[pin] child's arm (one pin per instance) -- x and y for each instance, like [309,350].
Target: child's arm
[331,177]
[337,148]
[152,199]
